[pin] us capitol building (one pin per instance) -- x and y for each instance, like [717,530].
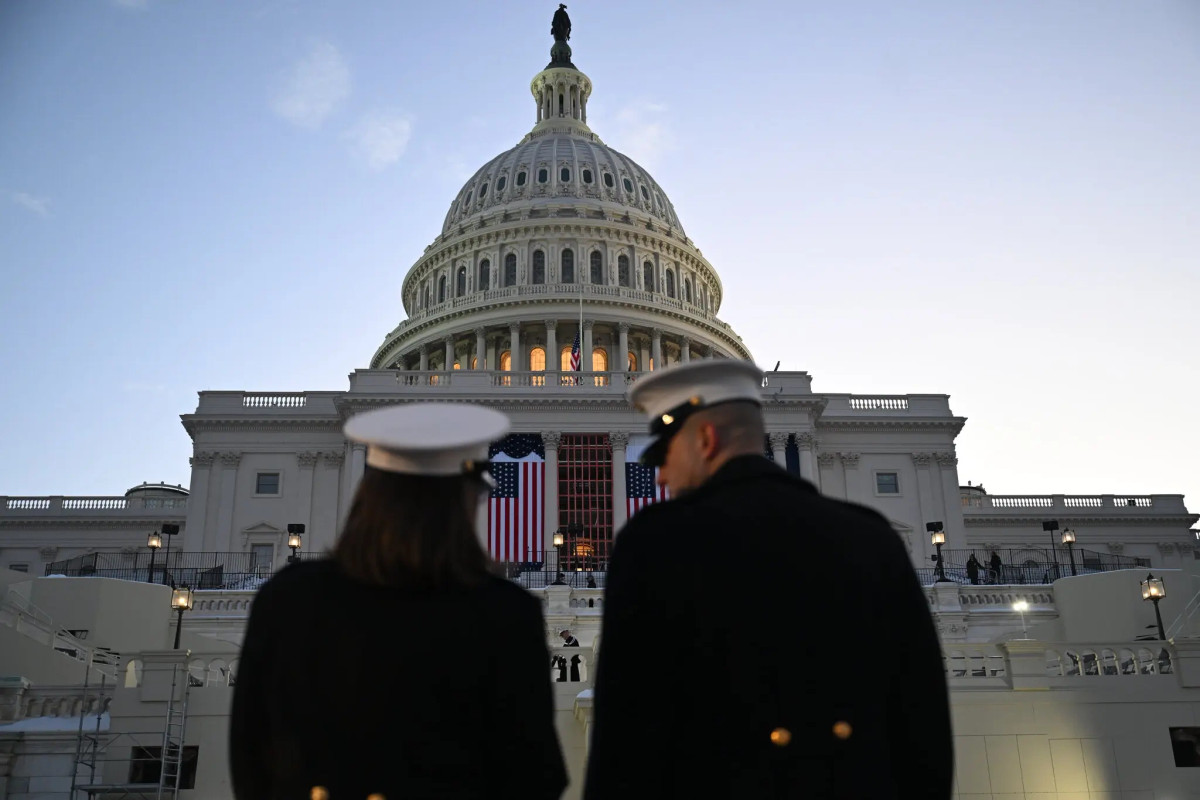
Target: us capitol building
[1064,683]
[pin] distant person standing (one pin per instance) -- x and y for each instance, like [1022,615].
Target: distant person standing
[355,677]
[996,566]
[761,707]
[973,566]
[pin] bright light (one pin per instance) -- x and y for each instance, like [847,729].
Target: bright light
[1021,605]
[937,537]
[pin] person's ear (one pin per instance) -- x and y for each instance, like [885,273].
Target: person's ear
[709,440]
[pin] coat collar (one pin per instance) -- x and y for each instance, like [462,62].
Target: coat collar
[749,468]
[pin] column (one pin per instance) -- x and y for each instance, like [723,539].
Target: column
[550,440]
[643,354]
[826,464]
[553,360]
[222,537]
[656,348]
[514,347]
[806,443]
[424,351]
[329,506]
[480,349]
[956,535]
[622,365]
[449,353]
[709,354]
[586,356]
[925,503]
[685,350]
[619,441]
[779,448]
[307,462]
[194,535]
[358,465]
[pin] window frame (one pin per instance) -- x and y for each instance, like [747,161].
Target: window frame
[877,474]
[259,473]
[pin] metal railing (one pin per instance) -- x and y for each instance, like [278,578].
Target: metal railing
[1023,565]
[198,570]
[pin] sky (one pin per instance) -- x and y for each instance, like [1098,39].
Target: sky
[995,201]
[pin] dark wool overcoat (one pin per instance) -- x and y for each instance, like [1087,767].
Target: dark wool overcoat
[372,690]
[763,641]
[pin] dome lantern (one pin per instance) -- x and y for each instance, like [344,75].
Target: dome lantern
[561,91]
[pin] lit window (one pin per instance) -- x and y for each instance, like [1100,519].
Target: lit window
[521,178]
[565,360]
[537,360]
[632,362]
[608,180]
[586,175]
[457,365]
[564,175]
[543,175]
[474,363]
[506,361]
[887,483]
[266,483]
[599,360]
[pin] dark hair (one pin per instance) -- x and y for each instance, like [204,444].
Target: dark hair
[414,531]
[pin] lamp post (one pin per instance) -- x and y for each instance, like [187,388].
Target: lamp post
[1068,538]
[168,530]
[1021,606]
[558,539]
[153,541]
[295,531]
[1050,526]
[1154,590]
[938,537]
[181,601]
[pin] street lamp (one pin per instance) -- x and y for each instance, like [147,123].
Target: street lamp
[295,531]
[153,541]
[938,537]
[1021,606]
[181,601]
[1068,538]
[559,540]
[1050,526]
[1154,590]
[168,529]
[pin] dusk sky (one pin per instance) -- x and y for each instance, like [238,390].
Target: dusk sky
[995,201]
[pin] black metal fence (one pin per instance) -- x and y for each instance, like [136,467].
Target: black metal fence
[196,570]
[1023,565]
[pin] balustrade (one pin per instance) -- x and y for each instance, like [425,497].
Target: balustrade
[1082,660]
[76,504]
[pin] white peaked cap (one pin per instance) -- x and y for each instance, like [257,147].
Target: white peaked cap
[427,438]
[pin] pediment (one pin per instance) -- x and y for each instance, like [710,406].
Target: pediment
[261,528]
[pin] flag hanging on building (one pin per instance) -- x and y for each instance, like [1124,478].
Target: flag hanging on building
[641,489]
[516,507]
[576,358]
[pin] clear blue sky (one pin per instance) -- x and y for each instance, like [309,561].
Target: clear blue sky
[998,201]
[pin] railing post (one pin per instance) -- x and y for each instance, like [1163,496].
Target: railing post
[1025,664]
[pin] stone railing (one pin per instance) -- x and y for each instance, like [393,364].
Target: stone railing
[203,670]
[1030,664]
[301,404]
[218,604]
[1001,598]
[1100,660]
[975,501]
[58,504]
[916,405]
[962,660]
[20,700]
[275,400]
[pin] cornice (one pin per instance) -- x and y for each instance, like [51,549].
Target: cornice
[1034,516]
[197,424]
[63,521]
[870,425]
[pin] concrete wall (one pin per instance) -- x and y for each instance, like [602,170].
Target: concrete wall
[124,616]
[1107,607]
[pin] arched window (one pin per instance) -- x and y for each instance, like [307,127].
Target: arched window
[599,359]
[442,289]
[500,183]
[474,363]
[586,175]
[485,275]
[648,276]
[565,358]
[543,175]
[506,361]
[628,184]
[670,281]
[568,266]
[608,180]
[632,361]
[483,191]
[460,282]
[539,267]
[521,178]
[597,267]
[425,295]
[687,290]
[564,174]
[458,365]
[510,269]
[623,270]
[537,359]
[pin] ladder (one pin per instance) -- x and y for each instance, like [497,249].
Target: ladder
[173,734]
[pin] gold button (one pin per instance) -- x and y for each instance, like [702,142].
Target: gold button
[842,730]
[780,737]
[318,793]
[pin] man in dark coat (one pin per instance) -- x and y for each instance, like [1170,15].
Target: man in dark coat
[810,666]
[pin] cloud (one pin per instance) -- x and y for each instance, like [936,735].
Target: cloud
[643,133]
[38,205]
[381,137]
[313,88]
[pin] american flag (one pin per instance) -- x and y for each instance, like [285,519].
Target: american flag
[516,508]
[575,357]
[640,489]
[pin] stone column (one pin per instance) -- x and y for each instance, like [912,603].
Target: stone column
[514,347]
[779,448]
[623,345]
[480,348]
[685,350]
[656,348]
[194,534]
[358,464]
[449,353]
[619,441]
[424,351]
[585,357]
[850,472]
[806,444]
[550,440]
[222,537]
[827,462]
[643,354]
[307,462]
[926,504]
[956,534]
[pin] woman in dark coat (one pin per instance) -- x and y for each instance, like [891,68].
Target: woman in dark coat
[399,667]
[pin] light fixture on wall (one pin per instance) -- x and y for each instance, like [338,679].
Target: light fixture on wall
[1021,606]
[1068,538]
[937,536]
[295,531]
[1154,590]
[181,600]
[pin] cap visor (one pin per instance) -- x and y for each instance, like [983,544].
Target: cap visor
[656,453]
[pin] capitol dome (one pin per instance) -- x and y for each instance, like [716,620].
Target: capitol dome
[560,234]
